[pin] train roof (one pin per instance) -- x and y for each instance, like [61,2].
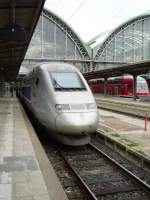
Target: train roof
[55,66]
[125,76]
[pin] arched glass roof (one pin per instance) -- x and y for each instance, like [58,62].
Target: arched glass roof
[54,40]
[130,42]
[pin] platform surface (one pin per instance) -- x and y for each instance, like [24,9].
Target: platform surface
[25,172]
[127,130]
[125,100]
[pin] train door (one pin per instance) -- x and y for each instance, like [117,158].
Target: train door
[109,91]
[122,89]
[125,89]
[115,90]
[116,86]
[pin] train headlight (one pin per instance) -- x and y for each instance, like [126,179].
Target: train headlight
[62,107]
[91,105]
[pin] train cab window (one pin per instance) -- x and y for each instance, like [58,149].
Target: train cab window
[37,81]
[142,85]
[67,81]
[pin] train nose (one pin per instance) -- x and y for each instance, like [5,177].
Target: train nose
[77,123]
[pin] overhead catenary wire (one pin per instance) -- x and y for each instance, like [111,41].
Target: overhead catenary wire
[117,13]
[77,9]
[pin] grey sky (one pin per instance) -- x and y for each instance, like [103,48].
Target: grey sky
[92,17]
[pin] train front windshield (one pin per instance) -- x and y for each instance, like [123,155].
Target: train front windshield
[142,85]
[67,81]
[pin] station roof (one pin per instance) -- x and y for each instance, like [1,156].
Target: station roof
[101,39]
[134,69]
[70,31]
[17,23]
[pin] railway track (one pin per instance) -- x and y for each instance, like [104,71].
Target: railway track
[102,177]
[86,173]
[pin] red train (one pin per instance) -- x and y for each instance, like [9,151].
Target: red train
[120,86]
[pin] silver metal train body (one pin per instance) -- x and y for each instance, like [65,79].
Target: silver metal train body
[61,100]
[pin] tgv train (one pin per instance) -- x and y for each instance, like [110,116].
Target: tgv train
[61,100]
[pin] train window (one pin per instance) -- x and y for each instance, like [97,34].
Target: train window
[67,81]
[37,81]
[26,91]
[142,85]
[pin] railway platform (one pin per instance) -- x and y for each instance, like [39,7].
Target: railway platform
[25,171]
[127,135]
[126,105]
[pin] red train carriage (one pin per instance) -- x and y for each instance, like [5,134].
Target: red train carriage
[120,86]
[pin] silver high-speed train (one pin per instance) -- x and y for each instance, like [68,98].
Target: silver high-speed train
[60,98]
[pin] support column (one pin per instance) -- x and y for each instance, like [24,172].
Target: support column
[105,86]
[91,66]
[91,62]
[134,87]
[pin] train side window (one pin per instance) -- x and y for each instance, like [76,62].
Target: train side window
[37,81]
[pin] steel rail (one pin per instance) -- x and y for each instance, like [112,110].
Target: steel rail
[82,182]
[136,179]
